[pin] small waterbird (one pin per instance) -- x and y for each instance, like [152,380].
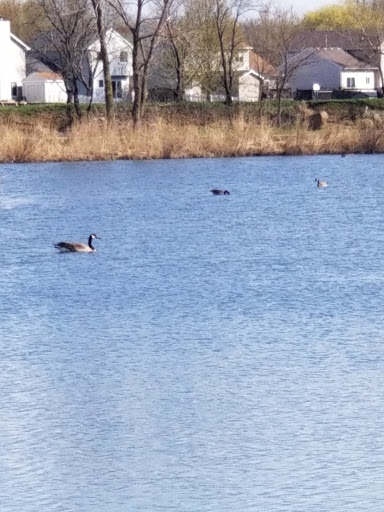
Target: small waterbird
[218,192]
[77,247]
[321,184]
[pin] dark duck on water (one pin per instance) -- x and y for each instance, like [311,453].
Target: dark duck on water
[218,192]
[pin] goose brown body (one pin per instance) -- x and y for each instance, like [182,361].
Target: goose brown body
[76,246]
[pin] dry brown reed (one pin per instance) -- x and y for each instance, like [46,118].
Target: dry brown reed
[94,140]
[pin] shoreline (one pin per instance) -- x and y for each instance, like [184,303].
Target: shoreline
[91,142]
[128,159]
[36,139]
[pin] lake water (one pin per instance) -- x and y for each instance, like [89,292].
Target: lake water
[216,354]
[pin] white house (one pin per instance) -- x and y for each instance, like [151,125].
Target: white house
[12,63]
[44,87]
[333,69]
[47,86]
[120,59]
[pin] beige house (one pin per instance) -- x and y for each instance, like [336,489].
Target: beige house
[251,61]
[252,75]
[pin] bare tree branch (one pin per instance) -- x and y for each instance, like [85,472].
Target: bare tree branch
[145,19]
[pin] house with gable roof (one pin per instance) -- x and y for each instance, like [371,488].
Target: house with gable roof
[333,69]
[252,75]
[44,87]
[12,64]
[345,63]
[45,83]
[120,61]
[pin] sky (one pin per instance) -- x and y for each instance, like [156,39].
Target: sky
[303,6]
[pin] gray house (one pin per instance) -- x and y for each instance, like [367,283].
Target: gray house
[332,69]
[365,48]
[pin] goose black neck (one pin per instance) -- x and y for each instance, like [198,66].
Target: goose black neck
[90,243]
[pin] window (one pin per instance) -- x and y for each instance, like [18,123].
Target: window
[117,89]
[101,84]
[367,80]
[123,56]
[14,89]
[240,57]
[351,81]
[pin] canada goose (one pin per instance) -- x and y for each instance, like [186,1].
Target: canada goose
[76,247]
[217,192]
[321,184]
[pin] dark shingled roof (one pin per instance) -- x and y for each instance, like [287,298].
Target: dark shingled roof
[356,43]
[34,64]
[343,58]
[347,40]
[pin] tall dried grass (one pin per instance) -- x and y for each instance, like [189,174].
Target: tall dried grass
[94,140]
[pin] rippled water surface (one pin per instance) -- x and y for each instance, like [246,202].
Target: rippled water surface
[216,354]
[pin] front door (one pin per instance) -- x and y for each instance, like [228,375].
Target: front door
[117,89]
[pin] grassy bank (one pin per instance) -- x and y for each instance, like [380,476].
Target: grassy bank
[55,115]
[40,132]
[93,140]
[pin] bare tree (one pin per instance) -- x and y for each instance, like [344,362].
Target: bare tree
[145,20]
[65,44]
[176,33]
[368,39]
[22,15]
[204,42]
[101,31]
[202,63]
[187,53]
[227,16]
[273,36]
